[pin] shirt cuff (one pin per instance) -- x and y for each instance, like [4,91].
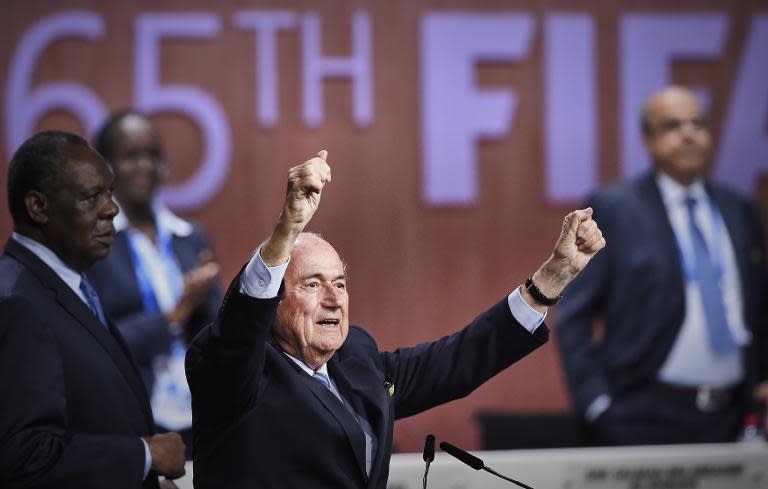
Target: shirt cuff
[598,407]
[147,458]
[527,316]
[260,281]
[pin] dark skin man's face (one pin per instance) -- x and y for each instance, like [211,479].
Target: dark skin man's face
[79,210]
[139,163]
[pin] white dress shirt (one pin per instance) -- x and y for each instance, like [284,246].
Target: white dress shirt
[692,361]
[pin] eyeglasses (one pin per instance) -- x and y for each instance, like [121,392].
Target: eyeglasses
[699,123]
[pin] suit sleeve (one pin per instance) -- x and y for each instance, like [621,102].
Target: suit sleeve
[37,447]
[576,317]
[225,361]
[450,368]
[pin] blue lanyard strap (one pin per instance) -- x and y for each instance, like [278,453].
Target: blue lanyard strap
[147,292]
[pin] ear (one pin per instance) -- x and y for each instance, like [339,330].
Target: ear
[37,206]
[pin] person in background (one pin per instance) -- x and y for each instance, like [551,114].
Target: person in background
[680,294]
[159,282]
[286,394]
[74,413]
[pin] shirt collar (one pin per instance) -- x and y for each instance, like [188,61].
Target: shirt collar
[70,276]
[164,219]
[673,192]
[322,370]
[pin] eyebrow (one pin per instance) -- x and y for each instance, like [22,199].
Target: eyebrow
[320,277]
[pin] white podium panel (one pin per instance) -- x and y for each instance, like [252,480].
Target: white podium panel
[717,466]
[720,466]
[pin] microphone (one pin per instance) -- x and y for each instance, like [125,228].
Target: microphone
[475,463]
[465,457]
[429,449]
[428,455]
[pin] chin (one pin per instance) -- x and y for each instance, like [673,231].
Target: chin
[98,255]
[331,345]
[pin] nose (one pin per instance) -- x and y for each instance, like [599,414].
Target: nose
[331,296]
[109,210]
[688,129]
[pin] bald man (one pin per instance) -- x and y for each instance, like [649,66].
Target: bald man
[680,294]
[286,394]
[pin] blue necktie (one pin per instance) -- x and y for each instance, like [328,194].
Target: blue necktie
[370,438]
[323,379]
[92,298]
[708,279]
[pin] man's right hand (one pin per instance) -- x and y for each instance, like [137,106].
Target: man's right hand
[167,452]
[305,186]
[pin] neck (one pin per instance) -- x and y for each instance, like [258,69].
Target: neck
[37,235]
[312,360]
[141,217]
[139,213]
[684,179]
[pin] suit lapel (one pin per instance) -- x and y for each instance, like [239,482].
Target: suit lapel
[657,213]
[339,412]
[736,227]
[109,340]
[355,378]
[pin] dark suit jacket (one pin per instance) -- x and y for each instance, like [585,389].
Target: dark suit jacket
[73,406]
[147,334]
[260,421]
[635,287]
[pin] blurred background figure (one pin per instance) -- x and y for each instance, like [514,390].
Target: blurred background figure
[159,282]
[680,292]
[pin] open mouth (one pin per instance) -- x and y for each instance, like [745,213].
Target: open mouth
[328,322]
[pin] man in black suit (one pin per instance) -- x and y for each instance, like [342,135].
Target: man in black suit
[74,412]
[285,394]
[681,295]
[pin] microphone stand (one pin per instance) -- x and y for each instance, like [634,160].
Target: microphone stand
[513,481]
[475,462]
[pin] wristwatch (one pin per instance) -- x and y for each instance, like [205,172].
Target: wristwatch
[538,296]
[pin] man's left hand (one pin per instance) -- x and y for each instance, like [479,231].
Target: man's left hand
[580,239]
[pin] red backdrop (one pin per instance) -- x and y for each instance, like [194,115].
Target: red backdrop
[418,271]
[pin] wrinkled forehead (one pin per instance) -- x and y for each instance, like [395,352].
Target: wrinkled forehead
[312,255]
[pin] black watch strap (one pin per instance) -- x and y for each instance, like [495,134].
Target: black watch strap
[538,296]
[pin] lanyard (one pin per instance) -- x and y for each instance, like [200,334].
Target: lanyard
[715,251]
[168,258]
